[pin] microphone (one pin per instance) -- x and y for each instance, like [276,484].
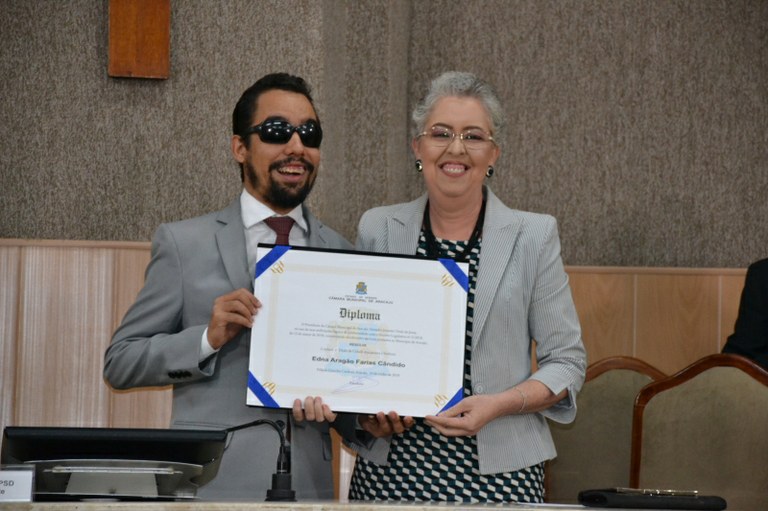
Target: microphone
[281,479]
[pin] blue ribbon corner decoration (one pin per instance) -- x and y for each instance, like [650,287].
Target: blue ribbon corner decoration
[263,265]
[458,275]
[458,396]
[260,392]
[269,259]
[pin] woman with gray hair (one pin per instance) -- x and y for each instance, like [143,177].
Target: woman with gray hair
[492,445]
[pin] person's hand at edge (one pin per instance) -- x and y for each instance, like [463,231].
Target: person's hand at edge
[385,424]
[231,313]
[467,417]
[313,410]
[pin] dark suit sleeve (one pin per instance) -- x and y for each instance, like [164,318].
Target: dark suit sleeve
[750,336]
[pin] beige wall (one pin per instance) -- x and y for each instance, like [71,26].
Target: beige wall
[640,125]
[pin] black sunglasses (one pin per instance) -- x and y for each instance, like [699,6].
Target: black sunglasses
[278,131]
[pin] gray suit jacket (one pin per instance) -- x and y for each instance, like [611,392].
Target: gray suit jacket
[522,294]
[158,343]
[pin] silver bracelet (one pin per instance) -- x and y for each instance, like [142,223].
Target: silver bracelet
[525,399]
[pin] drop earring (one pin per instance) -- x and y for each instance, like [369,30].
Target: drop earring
[419,166]
[489,172]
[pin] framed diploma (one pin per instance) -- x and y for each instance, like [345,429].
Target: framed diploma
[366,332]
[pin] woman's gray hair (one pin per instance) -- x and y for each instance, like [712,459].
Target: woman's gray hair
[457,83]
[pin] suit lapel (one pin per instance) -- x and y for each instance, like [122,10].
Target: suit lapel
[230,239]
[316,235]
[404,226]
[500,233]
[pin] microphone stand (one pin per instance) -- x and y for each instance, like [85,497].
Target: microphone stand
[281,479]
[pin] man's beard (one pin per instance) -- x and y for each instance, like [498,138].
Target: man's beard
[278,194]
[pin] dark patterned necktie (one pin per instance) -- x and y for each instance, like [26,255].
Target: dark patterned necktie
[282,226]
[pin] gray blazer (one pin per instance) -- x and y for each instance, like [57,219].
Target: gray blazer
[522,294]
[158,343]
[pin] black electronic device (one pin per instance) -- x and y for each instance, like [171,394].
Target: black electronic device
[115,463]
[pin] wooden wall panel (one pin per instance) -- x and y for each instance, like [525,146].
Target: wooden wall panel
[730,296]
[343,466]
[677,319]
[128,275]
[146,408]
[140,408]
[65,320]
[9,300]
[605,304]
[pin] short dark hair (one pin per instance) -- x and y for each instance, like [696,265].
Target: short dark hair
[242,116]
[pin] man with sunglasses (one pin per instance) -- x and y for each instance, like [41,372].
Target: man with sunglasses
[190,324]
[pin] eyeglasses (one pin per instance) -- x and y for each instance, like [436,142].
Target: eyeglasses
[278,131]
[473,139]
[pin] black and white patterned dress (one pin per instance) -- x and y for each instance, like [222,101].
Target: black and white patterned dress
[424,465]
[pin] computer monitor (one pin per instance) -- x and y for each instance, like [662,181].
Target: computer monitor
[115,463]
